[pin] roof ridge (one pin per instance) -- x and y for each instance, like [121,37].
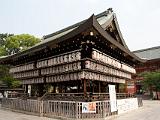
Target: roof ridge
[105,13]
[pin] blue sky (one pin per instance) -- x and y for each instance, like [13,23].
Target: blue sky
[138,19]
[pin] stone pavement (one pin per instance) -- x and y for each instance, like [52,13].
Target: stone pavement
[150,111]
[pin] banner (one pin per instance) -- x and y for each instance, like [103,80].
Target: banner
[125,105]
[89,107]
[112,96]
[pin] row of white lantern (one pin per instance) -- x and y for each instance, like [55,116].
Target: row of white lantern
[26,74]
[105,69]
[22,68]
[65,58]
[64,77]
[84,75]
[61,68]
[97,55]
[33,80]
[127,68]
[97,76]
[75,76]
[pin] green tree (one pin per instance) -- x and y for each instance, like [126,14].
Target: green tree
[3,52]
[3,38]
[6,78]
[151,81]
[18,43]
[11,82]
[11,44]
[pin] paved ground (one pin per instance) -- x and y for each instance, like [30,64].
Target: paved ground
[8,115]
[150,111]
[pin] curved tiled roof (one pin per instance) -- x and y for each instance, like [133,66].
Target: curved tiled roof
[149,53]
[99,22]
[102,18]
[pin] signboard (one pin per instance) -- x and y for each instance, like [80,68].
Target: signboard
[125,105]
[29,90]
[6,94]
[89,107]
[112,96]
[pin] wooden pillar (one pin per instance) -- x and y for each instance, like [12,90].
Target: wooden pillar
[41,89]
[117,87]
[85,87]
[25,88]
[99,87]
[60,88]
[57,88]
[126,90]
[93,86]
[78,86]
[54,88]
[65,88]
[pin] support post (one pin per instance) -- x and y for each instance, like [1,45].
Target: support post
[99,86]
[85,87]
[77,112]
[78,86]
[41,111]
[91,90]
[117,87]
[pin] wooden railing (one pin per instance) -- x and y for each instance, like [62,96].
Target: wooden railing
[81,97]
[17,95]
[27,105]
[71,109]
[61,109]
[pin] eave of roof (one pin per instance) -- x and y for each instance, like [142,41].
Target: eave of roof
[154,60]
[49,38]
[148,53]
[84,26]
[119,32]
[98,27]
[105,13]
[152,48]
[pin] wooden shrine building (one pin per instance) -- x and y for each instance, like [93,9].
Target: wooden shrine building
[81,58]
[152,64]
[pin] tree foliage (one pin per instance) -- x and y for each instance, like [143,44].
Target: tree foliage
[18,43]
[11,44]
[6,78]
[3,38]
[151,80]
